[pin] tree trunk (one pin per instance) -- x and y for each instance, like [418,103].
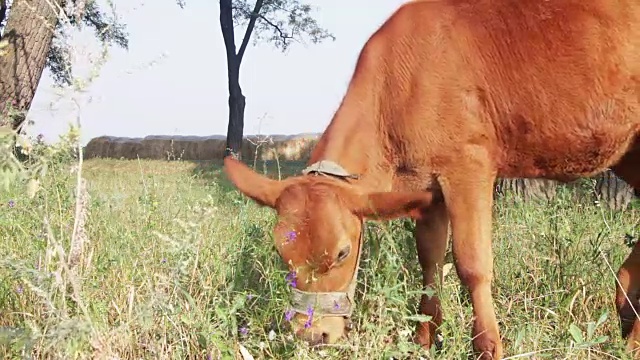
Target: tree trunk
[28,35]
[612,191]
[3,12]
[526,189]
[235,128]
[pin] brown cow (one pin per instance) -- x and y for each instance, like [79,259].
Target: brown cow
[445,97]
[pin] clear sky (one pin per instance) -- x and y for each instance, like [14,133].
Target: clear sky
[173,79]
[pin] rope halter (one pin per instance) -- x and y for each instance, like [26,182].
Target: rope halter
[332,303]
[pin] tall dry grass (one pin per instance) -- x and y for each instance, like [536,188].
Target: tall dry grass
[164,260]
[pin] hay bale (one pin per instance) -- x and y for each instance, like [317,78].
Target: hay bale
[95,147]
[112,147]
[291,149]
[283,147]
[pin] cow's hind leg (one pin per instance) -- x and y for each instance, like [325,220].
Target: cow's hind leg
[628,289]
[431,241]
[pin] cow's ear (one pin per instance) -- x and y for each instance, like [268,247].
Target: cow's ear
[259,188]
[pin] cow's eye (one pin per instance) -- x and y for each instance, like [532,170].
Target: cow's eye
[342,255]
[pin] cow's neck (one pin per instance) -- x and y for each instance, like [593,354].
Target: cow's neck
[352,138]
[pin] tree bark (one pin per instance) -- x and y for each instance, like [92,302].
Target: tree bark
[28,34]
[526,189]
[3,11]
[235,128]
[612,191]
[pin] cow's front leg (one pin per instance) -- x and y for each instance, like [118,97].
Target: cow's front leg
[468,193]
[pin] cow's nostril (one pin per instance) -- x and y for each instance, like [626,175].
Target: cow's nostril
[314,338]
[325,338]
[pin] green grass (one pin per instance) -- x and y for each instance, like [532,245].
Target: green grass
[177,262]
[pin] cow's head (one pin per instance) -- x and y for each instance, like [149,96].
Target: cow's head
[319,235]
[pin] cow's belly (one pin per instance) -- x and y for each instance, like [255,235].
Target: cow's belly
[568,150]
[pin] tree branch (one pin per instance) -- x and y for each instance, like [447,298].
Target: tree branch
[252,22]
[283,35]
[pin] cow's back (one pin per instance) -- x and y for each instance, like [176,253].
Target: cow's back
[551,87]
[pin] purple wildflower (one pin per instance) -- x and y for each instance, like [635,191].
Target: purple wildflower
[291,237]
[291,279]
[244,330]
[12,203]
[19,289]
[288,315]
[250,296]
[310,317]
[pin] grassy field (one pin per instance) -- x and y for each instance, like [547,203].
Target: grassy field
[177,265]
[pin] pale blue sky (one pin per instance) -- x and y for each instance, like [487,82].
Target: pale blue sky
[184,92]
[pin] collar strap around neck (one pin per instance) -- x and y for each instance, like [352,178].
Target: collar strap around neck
[329,168]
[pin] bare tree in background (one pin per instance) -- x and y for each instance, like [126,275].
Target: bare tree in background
[31,39]
[280,22]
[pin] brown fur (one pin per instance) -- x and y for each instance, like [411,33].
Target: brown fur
[445,97]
